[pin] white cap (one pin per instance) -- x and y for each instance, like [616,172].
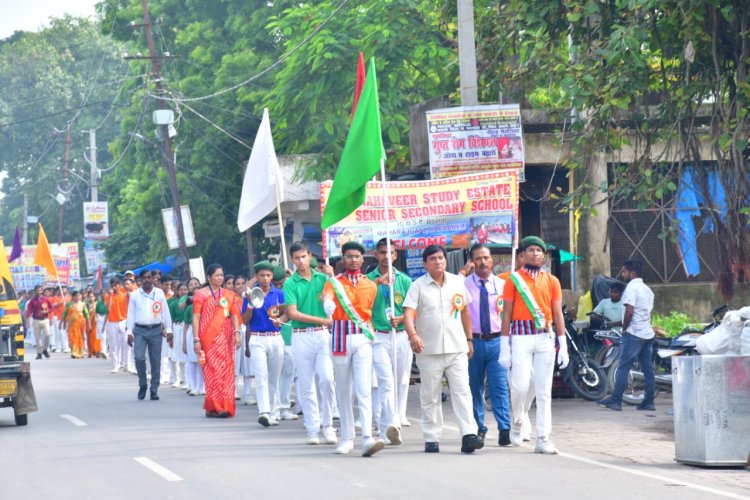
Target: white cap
[129,272]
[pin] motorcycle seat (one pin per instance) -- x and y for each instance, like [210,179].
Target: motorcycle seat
[662,342]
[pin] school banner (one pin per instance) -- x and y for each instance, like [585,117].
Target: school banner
[471,139]
[455,212]
[26,275]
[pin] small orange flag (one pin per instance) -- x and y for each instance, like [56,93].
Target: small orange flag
[43,256]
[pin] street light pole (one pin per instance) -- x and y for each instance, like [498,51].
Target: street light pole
[467,57]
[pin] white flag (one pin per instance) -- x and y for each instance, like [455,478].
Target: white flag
[262,177]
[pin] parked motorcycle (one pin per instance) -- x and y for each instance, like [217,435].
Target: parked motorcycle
[584,375]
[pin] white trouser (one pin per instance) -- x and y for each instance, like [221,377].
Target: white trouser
[455,367]
[195,377]
[118,342]
[404,358]
[129,356]
[385,413]
[532,356]
[41,334]
[266,359]
[354,369]
[60,336]
[286,379]
[100,333]
[312,356]
[166,368]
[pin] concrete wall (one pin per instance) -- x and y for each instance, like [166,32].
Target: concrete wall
[695,299]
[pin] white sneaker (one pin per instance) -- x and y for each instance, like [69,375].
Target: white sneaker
[515,437]
[393,434]
[329,435]
[312,439]
[264,420]
[248,402]
[545,446]
[114,370]
[372,446]
[405,422]
[176,385]
[526,437]
[273,421]
[344,448]
[288,415]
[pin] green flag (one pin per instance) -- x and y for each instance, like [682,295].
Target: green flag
[361,158]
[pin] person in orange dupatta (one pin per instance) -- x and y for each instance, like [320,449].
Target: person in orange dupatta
[94,345]
[216,331]
[75,316]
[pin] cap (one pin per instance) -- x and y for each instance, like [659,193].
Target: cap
[533,240]
[263,265]
[352,245]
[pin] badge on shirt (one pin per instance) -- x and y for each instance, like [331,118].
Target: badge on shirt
[458,303]
[156,308]
[500,306]
[274,312]
[398,298]
[224,303]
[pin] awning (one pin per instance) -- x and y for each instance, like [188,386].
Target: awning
[165,266]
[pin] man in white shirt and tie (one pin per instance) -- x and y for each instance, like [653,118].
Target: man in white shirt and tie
[148,321]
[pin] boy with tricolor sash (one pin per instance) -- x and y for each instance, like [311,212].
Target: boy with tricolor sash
[348,299]
[532,301]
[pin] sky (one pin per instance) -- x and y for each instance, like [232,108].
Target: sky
[30,15]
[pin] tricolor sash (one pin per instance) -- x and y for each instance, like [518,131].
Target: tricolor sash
[540,322]
[349,309]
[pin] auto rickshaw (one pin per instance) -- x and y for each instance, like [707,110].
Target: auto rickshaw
[16,390]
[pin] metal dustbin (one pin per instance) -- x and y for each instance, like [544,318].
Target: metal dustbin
[711,396]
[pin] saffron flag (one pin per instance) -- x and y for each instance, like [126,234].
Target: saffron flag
[43,256]
[361,158]
[17,250]
[262,179]
[358,84]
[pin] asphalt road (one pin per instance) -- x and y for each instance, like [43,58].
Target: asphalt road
[92,438]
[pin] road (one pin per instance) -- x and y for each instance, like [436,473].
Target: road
[92,438]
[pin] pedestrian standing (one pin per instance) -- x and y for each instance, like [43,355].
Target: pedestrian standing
[532,301]
[148,322]
[486,309]
[637,338]
[39,309]
[439,328]
[311,344]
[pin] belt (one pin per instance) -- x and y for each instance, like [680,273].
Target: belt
[148,327]
[486,336]
[40,319]
[265,334]
[389,331]
[308,329]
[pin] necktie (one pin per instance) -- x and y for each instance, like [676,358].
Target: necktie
[484,308]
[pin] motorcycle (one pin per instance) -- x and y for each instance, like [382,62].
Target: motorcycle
[584,375]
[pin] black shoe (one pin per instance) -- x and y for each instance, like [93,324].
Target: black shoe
[504,439]
[142,392]
[46,354]
[431,447]
[469,443]
[38,356]
[646,407]
[609,403]
[480,439]
[154,396]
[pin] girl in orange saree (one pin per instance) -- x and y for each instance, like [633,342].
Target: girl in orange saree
[75,317]
[216,331]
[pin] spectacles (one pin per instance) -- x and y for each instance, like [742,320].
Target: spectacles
[353,257]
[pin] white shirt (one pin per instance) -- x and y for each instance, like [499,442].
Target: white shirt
[640,296]
[437,324]
[141,309]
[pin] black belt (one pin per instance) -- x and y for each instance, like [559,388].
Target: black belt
[148,327]
[486,336]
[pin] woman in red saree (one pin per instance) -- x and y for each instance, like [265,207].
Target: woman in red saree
[216,331]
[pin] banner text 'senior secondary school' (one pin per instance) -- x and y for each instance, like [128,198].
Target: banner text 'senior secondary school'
[455,212]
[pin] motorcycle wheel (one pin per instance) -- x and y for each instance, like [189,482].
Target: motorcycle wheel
[589,383]
[634,389]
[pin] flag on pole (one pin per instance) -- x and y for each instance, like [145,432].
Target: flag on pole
[361,158]
[17,250]
[262,179]
[359,83]
[43,256]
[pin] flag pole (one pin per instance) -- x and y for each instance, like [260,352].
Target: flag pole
[391,281]
[281,224]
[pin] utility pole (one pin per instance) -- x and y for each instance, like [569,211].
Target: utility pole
[467,57]
[94,182]
[167,154]
[25,230]
[64,187]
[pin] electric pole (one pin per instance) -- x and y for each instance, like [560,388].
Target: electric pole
[94,181]
[64,187]
[167,154]
[25,230]
[467,57]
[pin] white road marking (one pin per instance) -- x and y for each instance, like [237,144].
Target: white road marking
[636,472]
[73,420]
[158,469]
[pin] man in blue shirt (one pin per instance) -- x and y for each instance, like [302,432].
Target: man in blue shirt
[264,344]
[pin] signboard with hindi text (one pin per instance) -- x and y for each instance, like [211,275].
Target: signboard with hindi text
[95,220]
[26,275]
[472,139]
[455,212]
